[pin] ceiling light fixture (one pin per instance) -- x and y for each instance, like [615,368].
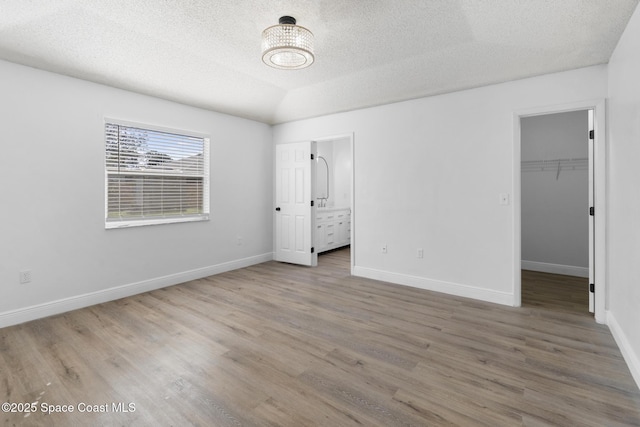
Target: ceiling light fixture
[287,46]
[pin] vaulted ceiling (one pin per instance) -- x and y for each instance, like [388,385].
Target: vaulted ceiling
[206,53]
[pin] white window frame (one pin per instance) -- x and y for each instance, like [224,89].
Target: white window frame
[124,223]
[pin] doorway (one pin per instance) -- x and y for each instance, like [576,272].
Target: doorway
[335,214]
[558,165]
[555,197]
[301,207]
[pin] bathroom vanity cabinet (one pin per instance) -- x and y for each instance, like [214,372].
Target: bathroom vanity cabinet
[333,228]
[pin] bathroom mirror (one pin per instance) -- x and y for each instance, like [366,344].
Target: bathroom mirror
[322,181]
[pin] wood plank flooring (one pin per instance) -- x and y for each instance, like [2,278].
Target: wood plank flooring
[282,345]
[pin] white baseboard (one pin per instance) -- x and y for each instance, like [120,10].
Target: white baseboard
[26,314]
[632,359]
[545,267]
[457,289]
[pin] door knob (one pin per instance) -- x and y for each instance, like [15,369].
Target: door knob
[277,209]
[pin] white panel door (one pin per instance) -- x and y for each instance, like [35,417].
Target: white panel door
[592,261]
[295,215]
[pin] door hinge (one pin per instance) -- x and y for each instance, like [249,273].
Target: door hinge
[312,156]
[591,211]
[591,134]
[592,287]
[313,249]
[312,203]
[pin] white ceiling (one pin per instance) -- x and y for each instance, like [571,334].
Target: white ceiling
[206,53]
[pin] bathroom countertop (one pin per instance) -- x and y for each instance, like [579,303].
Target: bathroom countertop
[333,208]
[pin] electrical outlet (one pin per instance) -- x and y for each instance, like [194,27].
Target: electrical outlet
[384,249]
[239,241]
[25,276]
[420,253]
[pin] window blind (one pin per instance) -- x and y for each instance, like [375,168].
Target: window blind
[154,177]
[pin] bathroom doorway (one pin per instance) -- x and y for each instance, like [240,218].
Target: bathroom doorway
[335,213]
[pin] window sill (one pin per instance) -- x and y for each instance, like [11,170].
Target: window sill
[156,221]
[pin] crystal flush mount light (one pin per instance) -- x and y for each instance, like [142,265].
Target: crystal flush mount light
[287,46]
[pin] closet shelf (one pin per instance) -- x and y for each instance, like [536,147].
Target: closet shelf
[554,165]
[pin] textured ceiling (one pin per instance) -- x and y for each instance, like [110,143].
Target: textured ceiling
[206,53]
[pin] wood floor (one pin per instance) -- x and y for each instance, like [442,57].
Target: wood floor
[282,345]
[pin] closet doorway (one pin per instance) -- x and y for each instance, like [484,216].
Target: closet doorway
[555,194]
[559,178]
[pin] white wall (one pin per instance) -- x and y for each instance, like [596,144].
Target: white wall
[555,220]
[428,174]
[52,180]
[342,172]
[624,196]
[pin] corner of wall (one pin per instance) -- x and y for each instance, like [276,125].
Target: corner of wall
[632,359]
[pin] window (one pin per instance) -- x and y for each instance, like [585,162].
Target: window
[154,176]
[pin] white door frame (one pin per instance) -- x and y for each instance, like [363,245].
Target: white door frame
[599,183]
[351,138]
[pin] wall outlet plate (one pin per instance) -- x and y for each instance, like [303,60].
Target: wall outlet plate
[25,276]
